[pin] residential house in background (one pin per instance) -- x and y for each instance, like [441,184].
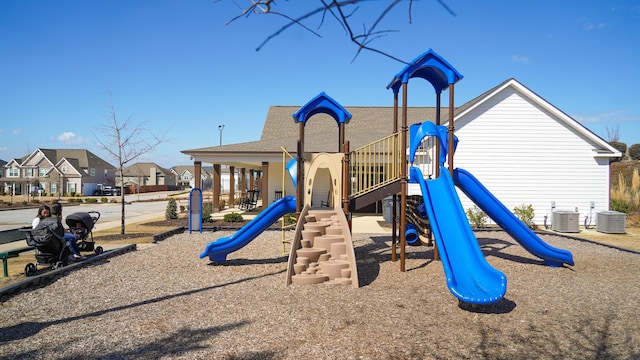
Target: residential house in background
[56,172]
[185,176]
[147,176]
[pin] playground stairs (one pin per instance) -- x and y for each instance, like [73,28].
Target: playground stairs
[375,168]
[322,251]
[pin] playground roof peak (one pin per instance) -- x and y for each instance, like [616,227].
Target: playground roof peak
[322,104]
[429,66]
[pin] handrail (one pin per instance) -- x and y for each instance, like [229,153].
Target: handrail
[375,165]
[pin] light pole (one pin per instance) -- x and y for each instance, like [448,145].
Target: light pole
[220,128]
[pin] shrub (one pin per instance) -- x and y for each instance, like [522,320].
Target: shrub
[104,200]
[91,200]
[233,217]
[620,146]
[634,152]
[183,208]
[290,218]
[477,217]
[619,205]
[172,209]
[207,209]
[222,205]
[526,214]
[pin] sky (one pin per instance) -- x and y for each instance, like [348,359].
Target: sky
[182,68]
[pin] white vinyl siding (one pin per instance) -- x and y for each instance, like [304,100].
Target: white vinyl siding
[523,155]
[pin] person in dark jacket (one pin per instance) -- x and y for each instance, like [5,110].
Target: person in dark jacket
[69,239]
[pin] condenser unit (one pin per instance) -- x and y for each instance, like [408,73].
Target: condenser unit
[565,221]
[612,222]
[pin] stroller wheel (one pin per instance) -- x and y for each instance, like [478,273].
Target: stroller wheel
[58,265]
[99,250]
[30,269]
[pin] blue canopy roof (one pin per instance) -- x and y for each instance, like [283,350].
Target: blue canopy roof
[322,104]
[429,66]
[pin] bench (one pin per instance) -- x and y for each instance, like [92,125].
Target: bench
[11,236]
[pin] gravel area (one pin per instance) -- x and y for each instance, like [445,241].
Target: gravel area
[165,302]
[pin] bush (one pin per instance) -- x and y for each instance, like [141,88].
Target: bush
[233,217]
[91,200]
[290,218]
[222,205]
[183,208]
[634,152]
[526,214]
[172,209]
[207,209]
[622,147]
[477,217]
[104,200]
[619,205]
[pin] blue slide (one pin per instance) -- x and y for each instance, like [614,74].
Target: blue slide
[470,277]
[218,250]
[508,221]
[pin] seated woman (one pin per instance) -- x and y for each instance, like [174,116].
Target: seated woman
[43,212]
[70,239]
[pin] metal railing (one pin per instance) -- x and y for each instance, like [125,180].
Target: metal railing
[375,165]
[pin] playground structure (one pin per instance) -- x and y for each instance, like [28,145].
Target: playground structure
[321,249]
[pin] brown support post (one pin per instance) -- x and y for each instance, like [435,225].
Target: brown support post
[394,237]
[403,178]
[232,186]
[217,175]
[300,155]
[197,170]
[264,188]
[243,181]
[346,179]
[252,180]
[259,184]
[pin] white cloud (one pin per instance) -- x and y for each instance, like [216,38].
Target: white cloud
[71,138]
[4,148]
[520,59]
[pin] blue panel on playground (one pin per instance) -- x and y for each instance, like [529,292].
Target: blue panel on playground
[322,104]
[429,66]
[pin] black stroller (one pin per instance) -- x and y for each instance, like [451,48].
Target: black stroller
[50,248]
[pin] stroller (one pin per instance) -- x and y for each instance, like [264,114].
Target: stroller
[50,247]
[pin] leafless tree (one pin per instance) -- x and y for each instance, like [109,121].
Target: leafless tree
[342,11]
[613,133]
[125,141]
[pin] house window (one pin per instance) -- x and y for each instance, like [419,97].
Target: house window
[64,169]
[92,172]
[106,173]
[54,188]
[14,172]
[72,188]
[43,171]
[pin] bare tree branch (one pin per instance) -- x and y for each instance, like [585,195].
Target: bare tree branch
[125,141]
[337,9]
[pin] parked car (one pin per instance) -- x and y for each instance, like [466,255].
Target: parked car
[107,190]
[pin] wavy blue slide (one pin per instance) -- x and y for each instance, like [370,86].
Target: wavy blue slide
[470,277]
[508,221]
[219,249]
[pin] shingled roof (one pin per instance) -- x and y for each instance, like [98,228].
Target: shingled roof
[321,132]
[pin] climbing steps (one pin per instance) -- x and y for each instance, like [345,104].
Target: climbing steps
[322,250]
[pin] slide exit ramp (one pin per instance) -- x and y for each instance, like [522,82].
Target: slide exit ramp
[508,221]
[219,249]
[470,277]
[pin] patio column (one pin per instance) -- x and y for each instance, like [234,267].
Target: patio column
[216,187]
[232,186]
[243,181]
[264,184]
[197,165]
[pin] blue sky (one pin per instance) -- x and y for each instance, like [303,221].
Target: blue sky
[179,68]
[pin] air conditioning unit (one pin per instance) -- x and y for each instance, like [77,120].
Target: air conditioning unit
[565,221]
[611,222]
